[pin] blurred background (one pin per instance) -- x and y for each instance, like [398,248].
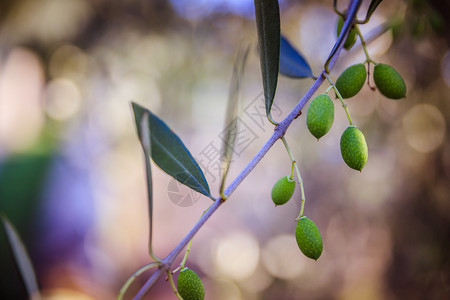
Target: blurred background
[72,175]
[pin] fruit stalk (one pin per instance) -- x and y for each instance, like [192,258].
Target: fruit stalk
[299,177]
[344,105]
[363,44]
[336,10]
[187,253]
[172,284]
[279,131]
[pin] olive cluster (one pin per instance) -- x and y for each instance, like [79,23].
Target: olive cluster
[353,146]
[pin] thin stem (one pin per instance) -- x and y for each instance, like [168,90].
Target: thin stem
[364,45]
[168,261]
[336,9]
[172,284]
[188,249]
[299,177]
[279,131]
[181,266]
[365,21]
[286,145]
[373,88]
[344,105]
[133,277]
[187,253]
[223,196]
[291,177]
[328,89]
[271,120]
[302,190]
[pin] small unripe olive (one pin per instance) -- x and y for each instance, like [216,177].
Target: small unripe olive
[283,190]
[389,82]
[350,82]
[351,37]
[354,148]
[308,238]
[190,285]
[320,115]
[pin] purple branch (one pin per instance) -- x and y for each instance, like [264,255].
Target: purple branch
[279,131]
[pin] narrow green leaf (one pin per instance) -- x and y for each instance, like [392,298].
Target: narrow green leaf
[267,13]
[292,63]
[21,259]
[169,152]
[231,126]
[372,7]
[144,129]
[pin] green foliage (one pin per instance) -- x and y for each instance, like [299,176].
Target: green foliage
[283,190]
[267,13]
[350,82]
[190,285]
[389,82]
[320,115]
[169,152]
[308,238]
[354,148]
[18,171]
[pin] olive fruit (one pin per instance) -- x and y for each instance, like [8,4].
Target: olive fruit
[190,285]
[350,82]
[389,82]
[283,190]
[308,238]
[354,148]
[351,37]
[320,115]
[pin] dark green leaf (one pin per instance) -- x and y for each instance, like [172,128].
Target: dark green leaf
[267,14]
[231,127]
[372,7]
[169,152]
[292,63]
[22,259]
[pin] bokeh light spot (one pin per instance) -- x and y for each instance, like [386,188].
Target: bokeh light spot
[68,61]
[237,255]
[282,257]
[63,99]
[445,68]
[424,127]
[21,84]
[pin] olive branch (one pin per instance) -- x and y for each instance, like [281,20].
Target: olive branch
[164,265]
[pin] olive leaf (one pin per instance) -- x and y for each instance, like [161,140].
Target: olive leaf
[267,13]
[21,259]
[144,137]
[292,63]
[372,7]
[168,151]
[232,113]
